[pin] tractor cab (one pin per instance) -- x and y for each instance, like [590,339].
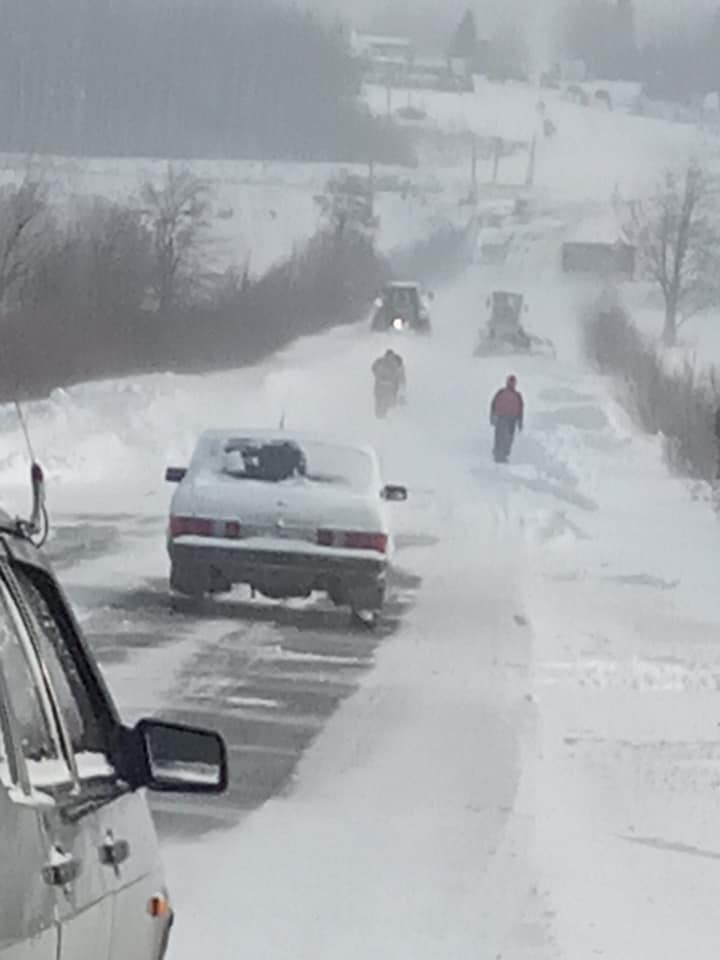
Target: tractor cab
[401,306]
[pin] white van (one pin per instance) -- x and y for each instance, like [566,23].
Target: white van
[80,872]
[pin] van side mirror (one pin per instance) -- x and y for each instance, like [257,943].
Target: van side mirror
[394,492]
[175,474]
[175,758]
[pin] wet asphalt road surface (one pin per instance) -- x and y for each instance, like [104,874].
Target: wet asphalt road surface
[267,676]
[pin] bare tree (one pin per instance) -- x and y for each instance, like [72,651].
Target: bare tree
[26,229]
[112,255]
[347,206]
[176,213]
[678,243]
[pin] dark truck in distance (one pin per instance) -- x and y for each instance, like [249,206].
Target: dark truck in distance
[401,306]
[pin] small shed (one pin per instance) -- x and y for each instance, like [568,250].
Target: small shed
[600,248]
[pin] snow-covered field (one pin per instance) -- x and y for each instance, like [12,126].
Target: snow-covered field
[259,212]
[530,769]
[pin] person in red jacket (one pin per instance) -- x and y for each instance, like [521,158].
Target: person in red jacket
[506,416]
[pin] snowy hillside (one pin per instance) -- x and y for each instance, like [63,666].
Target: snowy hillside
[594,153]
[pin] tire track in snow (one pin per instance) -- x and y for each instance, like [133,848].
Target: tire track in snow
[266,675]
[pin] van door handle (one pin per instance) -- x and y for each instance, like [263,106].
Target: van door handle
[61,869]
[113,852]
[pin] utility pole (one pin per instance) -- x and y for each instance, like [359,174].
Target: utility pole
[371,187]
[531,163]
[473,171]
[497,151]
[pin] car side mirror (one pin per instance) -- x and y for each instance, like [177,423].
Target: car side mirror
[394,492]
[175,758]
[175,474]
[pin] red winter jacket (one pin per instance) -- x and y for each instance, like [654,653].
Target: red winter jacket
[508,403]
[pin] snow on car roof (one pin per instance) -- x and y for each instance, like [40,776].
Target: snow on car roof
[403,285]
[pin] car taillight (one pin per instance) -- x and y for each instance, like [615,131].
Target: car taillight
[353,540]
[191,527]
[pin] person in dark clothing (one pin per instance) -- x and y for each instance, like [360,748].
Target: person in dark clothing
[507,411]
[389,373]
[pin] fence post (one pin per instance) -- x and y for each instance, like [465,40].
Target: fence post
[531,163]
[473,170]
[497,150]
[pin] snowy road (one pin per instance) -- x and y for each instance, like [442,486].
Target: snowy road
[266,675]
[524,761]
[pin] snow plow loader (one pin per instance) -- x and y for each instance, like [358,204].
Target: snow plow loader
[504,334]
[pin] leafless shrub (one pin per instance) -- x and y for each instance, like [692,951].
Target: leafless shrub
[679,405]
[27,230]
[678,242]
[176,214]
[81,308]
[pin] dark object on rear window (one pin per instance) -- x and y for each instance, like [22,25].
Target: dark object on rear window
[272,461]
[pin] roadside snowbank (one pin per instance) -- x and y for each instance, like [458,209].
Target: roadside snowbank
[627,665]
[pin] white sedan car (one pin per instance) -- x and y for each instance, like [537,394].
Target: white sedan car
[286,514]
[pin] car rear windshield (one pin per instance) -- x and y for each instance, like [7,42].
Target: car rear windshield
[289,461]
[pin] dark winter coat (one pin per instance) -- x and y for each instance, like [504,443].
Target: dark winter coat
[389,370]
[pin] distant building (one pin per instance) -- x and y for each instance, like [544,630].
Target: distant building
[383,50]
[600,248]
[438,73]
[392,60]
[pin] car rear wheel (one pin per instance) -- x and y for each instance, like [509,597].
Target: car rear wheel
[366,607]
[184,583]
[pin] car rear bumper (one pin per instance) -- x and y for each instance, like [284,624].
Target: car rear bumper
[279,568]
